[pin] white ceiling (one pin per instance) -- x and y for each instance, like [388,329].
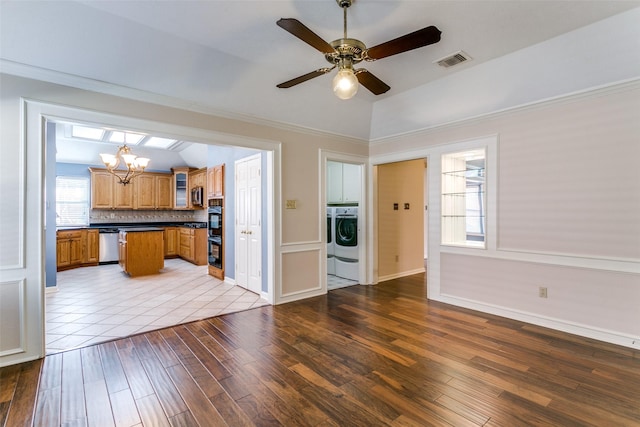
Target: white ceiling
[228,56]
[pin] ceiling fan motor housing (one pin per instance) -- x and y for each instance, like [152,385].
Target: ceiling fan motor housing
[344,3]
[350,49]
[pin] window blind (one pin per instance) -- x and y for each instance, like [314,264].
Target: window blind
[72,201]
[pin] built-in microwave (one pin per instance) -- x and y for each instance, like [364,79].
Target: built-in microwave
[197,196]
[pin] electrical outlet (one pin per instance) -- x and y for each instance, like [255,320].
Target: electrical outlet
[291,204]
[542,292]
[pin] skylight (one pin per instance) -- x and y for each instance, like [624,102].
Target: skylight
[157,142]
[86,132]
[131,138]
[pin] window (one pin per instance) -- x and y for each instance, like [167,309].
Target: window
[463,198]
[72,201]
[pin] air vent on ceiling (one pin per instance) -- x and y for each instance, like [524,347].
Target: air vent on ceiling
[453,59]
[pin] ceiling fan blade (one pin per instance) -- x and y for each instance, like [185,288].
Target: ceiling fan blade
[420,38]
[304,78]
[371,82]
[299,30]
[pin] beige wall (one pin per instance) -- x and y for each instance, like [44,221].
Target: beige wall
[400,232]
[568,204]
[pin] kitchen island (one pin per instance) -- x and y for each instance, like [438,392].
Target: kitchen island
[141,250]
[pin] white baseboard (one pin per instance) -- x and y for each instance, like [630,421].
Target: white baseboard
[401,274]
[586,331]
[50,289]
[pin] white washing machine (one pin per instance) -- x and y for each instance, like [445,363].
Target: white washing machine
[331,262]
[346,242]
[346,233]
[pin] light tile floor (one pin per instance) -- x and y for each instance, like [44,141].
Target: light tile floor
[97,304]
[336,282]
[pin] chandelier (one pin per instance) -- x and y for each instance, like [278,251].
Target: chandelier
[134,165]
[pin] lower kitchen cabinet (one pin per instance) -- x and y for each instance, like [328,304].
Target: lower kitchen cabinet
[171,242]
[68,249]
[92,247]
[76,248]
[193,245]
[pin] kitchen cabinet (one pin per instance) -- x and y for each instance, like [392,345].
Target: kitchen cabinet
[181,188]
[215,181]
[68,249]
[92,246]
[153,191]
[198,178]
[141,250]
[193,245]
[108,193]
[76,248]
[171,242]
[343,182]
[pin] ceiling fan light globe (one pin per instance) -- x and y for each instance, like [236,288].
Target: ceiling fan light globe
[345,84]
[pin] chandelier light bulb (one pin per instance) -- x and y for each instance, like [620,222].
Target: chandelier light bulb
[345,83]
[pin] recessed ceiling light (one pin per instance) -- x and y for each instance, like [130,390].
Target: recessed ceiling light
[87,132]
[157,142]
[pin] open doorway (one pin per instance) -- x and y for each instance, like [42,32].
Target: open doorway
[93,310]
[344,221]
[402,218]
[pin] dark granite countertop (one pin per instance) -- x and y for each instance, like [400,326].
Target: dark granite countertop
[140,229]
[145,224]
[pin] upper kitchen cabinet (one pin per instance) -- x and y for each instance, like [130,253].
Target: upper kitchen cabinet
[108,193]
[343,182]
[198,178]
[181,188]
[215,181]
[153,191]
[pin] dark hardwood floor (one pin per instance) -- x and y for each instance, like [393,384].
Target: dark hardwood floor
[359,356]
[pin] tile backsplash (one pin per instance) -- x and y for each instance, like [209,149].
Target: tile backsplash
[97,216]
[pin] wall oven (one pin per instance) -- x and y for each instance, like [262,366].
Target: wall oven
[215,236]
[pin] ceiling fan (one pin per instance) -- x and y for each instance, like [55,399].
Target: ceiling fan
[344,53]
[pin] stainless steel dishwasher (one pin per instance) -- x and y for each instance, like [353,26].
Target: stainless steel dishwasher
[108,245]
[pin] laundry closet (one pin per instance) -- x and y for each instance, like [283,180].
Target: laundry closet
[343,224]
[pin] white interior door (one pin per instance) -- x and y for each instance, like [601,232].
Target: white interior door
[249,223]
